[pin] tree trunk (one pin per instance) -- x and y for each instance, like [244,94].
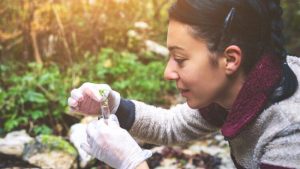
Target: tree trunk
[62,32]
[37,55]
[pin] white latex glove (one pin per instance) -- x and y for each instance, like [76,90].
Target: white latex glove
[113,145]
[77,137]
[87,100]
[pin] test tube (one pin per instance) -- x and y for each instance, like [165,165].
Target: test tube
[105,110]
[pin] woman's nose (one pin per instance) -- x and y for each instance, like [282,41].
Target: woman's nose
[170,72]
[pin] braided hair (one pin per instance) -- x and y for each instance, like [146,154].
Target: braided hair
[253,25]
[276,24]
[288,84]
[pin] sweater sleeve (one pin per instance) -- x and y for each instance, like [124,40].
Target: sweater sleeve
[284,150]
[168,126]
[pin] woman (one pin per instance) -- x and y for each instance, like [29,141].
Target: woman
[228,61]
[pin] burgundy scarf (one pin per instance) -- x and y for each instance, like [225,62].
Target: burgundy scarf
[251,100]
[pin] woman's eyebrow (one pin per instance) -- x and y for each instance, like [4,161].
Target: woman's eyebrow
[171,48]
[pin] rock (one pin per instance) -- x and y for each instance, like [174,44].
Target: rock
[215,146]
[213,150]
[14,162]
[48,151]
[77,137]
[156,48]
[179,157]
[133,34]
[168,163]
[53,159]
[13,143]
[210,153]
[141,25]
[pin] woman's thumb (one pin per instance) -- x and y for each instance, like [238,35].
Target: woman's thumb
[86,148]
[113,120]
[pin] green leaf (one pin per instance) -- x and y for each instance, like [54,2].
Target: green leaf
[2,97]
[43,129]
[45,78]
[35,97]
[37,114]
[22,120]
[57,113]
[3,68]
[29,78]
[10,124]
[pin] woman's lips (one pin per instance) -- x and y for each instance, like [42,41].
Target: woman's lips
[184,92]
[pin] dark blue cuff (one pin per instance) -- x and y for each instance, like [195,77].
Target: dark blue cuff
[126,114]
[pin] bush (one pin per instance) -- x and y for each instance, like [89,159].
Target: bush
[132,78]
[35,97]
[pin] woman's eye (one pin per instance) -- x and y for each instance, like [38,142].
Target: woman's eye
[179,61]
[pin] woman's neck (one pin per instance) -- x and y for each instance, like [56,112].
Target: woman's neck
[231,91]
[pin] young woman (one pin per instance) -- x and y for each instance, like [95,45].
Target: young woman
[227,59]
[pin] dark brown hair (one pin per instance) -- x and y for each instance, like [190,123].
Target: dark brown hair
[253,25]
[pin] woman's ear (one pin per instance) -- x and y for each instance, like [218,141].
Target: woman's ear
[233,58]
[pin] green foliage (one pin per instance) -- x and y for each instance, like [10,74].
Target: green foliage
[44,129]
[133,79]
[36,96]
[69,36]
[126,73]
[291,14]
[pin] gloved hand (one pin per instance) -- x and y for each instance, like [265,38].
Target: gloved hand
[87,99]
[77,137]
[113,145]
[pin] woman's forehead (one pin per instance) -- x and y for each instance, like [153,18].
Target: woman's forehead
[180,37]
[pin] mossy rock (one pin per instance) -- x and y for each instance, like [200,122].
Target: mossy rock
[57,143]
[47,143]
[48,151]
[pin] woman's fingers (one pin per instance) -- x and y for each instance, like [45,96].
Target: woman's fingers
[72,103]
[86,148]
[77,95]
[91,91]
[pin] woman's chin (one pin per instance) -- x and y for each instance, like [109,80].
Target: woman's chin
[196,105]
[192,104]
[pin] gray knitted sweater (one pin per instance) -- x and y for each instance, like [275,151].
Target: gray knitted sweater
[271,140]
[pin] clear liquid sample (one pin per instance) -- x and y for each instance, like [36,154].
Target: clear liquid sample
[105,110]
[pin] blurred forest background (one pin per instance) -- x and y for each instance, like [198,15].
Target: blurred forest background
[48,47]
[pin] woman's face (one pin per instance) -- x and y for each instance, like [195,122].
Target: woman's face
[190,64]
